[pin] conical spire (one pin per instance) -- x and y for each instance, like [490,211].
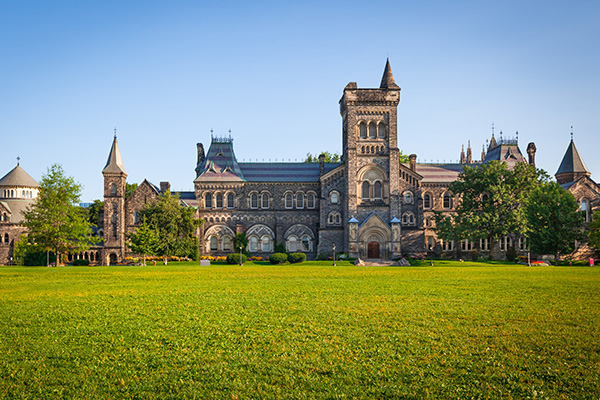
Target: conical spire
[114,164]
[387,81]
[572,166]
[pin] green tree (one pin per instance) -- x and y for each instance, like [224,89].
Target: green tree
[94,212]
[491,202]
[53,222]
[129,189]
[554,220]
[145,240]
[175,225]
[404,158]
[593,231]
[329,157]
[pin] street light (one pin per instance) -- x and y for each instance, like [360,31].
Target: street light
[240,255]
[334,254]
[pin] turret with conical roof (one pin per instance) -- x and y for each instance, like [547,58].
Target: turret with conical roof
[572,166]
[114,206]
[114,164]
[17,191]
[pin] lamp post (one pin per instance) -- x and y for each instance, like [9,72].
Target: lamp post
[240,255]
[334,254]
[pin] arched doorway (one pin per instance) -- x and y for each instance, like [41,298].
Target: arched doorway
[373,250]
[113,258]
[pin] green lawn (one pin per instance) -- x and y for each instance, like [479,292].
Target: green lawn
[455,330]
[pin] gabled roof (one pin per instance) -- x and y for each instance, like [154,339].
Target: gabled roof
[220,163]
[18,177]
[507,151]
[114,164]
[572,162]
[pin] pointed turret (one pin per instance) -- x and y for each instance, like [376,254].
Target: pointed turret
[469,154]
[572,166]
[493,143]
[114,164]
[463,159]
[482,153]
[387,81]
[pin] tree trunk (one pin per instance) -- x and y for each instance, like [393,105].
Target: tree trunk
[556,260]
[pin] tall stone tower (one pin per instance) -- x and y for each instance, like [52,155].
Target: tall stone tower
[371,158]
[114,207]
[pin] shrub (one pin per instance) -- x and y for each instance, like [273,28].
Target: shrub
[278,258]
[511,253]
[81,262]
[474,255]
[280,248]
[321,257]
[234,258]
[295,258]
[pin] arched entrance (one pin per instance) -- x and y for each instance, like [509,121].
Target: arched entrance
[373,250]
[113,258]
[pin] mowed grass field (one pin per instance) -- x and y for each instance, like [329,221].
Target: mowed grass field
[455,330]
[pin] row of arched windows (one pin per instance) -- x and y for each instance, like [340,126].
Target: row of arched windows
[372,130]
[372,149]
[484,244]
[334,218]
[447,201]
[371,191]
[217,200]
[263,243]
[26,194]
[299,200]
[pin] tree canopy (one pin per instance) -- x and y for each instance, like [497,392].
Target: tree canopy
[490,202]
[593,231]
[554,220]
[174,225]
[329,157]
[53,221]
[145,240]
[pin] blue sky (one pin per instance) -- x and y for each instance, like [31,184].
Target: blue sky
[166,73]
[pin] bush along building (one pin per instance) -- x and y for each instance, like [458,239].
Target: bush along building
[369,205]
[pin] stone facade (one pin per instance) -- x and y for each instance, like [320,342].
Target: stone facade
[369,205]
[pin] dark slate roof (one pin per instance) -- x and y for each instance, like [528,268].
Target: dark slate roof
[16,207]
[220,163]
[283,172]
[440,173]
[18,177]
[572,162]
[387,81]
[567,185]
[508,153]
[114,164]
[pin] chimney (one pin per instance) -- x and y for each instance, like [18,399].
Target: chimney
[412,161]
[165,187]
[321,164]
[531,152]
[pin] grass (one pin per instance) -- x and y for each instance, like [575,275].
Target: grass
[456,330]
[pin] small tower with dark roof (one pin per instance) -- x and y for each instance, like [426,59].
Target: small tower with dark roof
[114,206]
[469,154]
[572,166]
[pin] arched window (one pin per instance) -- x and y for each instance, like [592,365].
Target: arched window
[219,200]
[363,131]
[292,243]
[289,201]
[254,200]
[310,200]
[447,201]
[208,200]
[265,242]
[264,200]
[381,131]
[377,191]
[300,200]
[5,217]
[226,243]
[214,243]
[430,240]
[522,243]
[427,201]
[6,238]
[334,218]
[372,131]
[113,189]
[253,243]
[365,190]
[334,197]
[408,198]
[230,200]
[306,243]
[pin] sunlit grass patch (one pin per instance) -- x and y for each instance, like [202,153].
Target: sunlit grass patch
[311,330]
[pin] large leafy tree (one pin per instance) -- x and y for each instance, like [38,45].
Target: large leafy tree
[554,220]
[593,231]
[94,211]
[329,157]
[174,224]
[491,199]
[145,240]
[54,223]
